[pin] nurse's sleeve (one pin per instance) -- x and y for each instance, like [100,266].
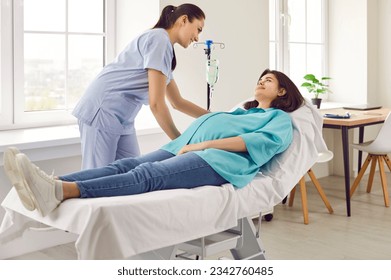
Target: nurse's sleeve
[273,138]
[158,54]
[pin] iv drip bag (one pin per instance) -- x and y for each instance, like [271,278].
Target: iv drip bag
[212,71]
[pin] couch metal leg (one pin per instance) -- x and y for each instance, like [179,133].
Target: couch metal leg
[251,247]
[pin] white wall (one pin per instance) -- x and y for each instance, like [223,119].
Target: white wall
[384,54]
[244,30]
[359,62]
[132,18]
[372,55]
[359,51]
[348,50]
[348,65]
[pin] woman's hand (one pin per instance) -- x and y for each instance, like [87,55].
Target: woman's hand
[231,144]
[192,147]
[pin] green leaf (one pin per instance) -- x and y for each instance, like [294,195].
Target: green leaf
[309,77]
[315,86]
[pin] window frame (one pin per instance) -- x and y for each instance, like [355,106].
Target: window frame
[6,72]
[12,115]
[281,42]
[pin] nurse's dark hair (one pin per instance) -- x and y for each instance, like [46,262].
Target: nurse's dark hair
[288,102]
[171,13]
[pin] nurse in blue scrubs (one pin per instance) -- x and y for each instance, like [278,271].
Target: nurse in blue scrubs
[140,75]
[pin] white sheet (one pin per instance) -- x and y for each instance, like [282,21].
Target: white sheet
[120,227]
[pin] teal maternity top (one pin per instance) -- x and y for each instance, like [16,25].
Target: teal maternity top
[266,132]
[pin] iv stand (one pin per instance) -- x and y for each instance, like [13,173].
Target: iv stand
[208,51]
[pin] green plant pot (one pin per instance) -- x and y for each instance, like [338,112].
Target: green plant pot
[316,101]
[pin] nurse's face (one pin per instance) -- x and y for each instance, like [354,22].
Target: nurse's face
[189,31]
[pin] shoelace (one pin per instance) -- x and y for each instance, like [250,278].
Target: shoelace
[43,174]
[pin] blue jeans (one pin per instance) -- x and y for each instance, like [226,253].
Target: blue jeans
[159,170]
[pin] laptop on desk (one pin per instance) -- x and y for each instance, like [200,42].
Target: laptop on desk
[362,107]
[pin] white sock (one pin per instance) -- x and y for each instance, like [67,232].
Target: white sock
[58,190]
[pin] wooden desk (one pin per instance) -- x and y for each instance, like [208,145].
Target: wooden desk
[358,119]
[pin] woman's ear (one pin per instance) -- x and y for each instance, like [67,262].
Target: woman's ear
[281,92]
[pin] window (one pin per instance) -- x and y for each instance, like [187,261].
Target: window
[5,62]
[59,51]
[298,37]
[56,48]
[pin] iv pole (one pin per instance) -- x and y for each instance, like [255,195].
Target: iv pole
[208,51]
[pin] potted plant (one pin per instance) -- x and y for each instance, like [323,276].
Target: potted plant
[316,86]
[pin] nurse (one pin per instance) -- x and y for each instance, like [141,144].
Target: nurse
[141,74]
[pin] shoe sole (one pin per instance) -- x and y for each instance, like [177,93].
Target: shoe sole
[16,180]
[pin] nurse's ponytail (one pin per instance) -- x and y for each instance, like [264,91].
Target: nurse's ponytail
[171,13]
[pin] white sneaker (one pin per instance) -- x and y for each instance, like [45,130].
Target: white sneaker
[12,172]
[41,185]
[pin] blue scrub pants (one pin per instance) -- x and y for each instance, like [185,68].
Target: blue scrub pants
[159,170]
[99,148]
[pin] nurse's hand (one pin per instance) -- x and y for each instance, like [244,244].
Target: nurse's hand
[192,147]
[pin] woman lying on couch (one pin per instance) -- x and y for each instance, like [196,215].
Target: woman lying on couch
[217,148]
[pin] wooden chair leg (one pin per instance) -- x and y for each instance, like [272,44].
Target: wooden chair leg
[372,174]
[292,197]
[304,204]
[359,175]
[388,162]
[383,182]
[320,191]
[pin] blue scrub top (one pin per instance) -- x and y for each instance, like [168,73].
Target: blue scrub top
[115,96]
[265,133]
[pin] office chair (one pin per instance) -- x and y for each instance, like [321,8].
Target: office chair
[377,152]
[323,157]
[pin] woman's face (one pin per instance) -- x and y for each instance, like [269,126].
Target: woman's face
[268,89]
[189,31]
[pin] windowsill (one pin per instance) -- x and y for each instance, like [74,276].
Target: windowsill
[32,138]
[50,142]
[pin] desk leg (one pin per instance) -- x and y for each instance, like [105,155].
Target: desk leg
[345,146]
[360,140]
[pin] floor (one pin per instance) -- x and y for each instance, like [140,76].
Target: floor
[364,235]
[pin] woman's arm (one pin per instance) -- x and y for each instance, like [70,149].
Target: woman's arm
[157,103]
[181,104]
[231,144]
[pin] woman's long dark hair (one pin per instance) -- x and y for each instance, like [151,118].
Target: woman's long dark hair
[288,102]
[171,13]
